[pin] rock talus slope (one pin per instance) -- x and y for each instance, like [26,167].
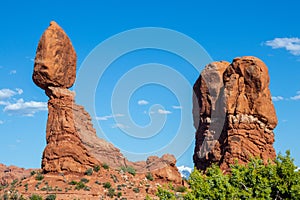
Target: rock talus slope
[233,113]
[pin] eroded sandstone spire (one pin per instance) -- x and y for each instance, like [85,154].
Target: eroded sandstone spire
[72,142]
[54,71]
[233,113]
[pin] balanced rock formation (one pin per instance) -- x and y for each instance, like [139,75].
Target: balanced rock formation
[54,71]
[72,142]
[233,113]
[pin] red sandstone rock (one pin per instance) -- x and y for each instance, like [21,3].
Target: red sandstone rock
[72,143]
[55,61]
[233,113]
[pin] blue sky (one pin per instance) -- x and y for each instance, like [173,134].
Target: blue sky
[225,29]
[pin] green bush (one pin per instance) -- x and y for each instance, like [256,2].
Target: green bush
[277,180]
[35,197]
[88,172]
[39,177]
[136,190]
[111,192]
[129,169]
[32,173]
[96,168]
[80,185]
[105,166]
[164,194]
[149,176]
[73,182]
[180,188]
[119,194]
[84,180]
[51,197]
[107,185]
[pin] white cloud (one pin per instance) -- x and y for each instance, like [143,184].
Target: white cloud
[177,107]
[164,112]
[4,103]
[107,117]
[8,93]
[13,71]
[19,91]
[143,102]
[118,125]
[25,108]
[185,171]
[292,45]
[296,97]
[1,122]
[277,98]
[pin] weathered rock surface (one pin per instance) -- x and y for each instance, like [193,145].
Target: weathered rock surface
[72,142]
[65,150]
[233,113]
[55,61]
[10,173]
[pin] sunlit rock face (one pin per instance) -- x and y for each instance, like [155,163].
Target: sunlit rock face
[233,113]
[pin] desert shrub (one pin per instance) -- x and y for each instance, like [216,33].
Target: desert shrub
[149,176]
[136,190]
[164,194]
[51,197]
[97,182]
[14,182]
[105,166]
[35,197]
[39,177]
[73,182]
[32,173]
[180,188]
[107,185]
[96,168]
[148,197]
[88,172]
[119,194]
[80,185]
[129,169]
[84,180]
[111,192]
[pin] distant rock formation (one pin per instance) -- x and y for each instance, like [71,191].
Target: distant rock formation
[233,113]
[10,173]
[72,143]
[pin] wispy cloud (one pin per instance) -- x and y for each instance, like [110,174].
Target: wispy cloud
[143,102]
[177,107]
[107,117]
[296,97]
[8,93]
[277,98]
[24,108]
[164,112]
[1,122]
[119,125]
[292,45]
[13,71]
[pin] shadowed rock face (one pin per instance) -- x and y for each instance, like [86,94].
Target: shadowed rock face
[72,143]
[233,113]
